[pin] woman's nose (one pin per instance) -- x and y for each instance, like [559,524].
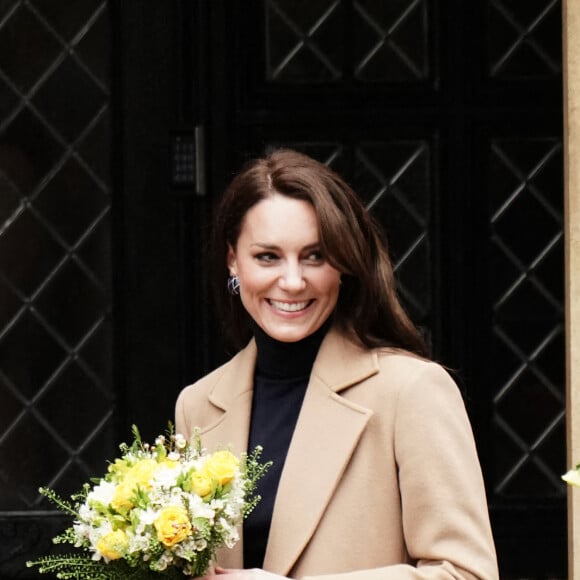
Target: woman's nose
[292,278]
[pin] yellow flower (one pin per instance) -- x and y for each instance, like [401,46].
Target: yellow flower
[201,483]
[572,477]
[172,526]
[222,466]
[139,474]
[143,471]
[113,545]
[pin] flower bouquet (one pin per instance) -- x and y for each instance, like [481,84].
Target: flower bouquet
[161,510]
[572,477]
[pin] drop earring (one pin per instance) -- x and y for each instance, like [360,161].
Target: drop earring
[233,285]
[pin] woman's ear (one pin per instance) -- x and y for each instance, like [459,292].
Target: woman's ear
[231,260]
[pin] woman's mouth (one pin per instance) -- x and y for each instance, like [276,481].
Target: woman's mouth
[289,306]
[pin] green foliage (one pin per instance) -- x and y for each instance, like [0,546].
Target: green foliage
[82,567]
[254,471]
[59,502]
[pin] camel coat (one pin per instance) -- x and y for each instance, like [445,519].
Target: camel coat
[381,480]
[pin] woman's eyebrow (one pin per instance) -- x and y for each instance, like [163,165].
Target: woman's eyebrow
[265,246]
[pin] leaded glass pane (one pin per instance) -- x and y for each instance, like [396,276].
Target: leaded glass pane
[26,242]
[55,105]
[524,40]
[27,47]
[56,394]
[332,41]
[21,472]
[71,201]
[30,149]
[302,40]
[390,40]
[526,285]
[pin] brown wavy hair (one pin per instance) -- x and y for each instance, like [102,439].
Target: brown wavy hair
[368,307]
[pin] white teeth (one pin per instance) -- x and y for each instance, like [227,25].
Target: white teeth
[289,307]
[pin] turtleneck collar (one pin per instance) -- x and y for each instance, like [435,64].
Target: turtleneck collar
[287,360]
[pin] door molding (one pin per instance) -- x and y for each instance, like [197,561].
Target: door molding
[571,67]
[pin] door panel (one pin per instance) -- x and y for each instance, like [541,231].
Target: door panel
[444,116]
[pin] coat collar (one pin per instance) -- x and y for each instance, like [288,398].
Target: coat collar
[340,363]
[327,432]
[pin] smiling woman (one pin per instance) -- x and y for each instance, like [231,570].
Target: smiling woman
[335,384]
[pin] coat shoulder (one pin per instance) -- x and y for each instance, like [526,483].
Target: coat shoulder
[404,376]
[407,367]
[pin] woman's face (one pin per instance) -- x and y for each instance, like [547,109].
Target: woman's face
[286,285]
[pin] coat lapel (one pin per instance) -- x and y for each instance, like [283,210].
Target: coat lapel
[327,432]
[233,394]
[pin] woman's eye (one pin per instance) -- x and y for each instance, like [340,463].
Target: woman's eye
[315,256]
[266,257]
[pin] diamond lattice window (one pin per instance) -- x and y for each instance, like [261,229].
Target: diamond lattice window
[524,39]
[56,396]
[526,284]
[328,41]
[393,180]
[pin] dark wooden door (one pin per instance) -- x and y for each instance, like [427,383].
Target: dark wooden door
[444,115]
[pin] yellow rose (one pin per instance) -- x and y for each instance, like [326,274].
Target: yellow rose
[172,526]
[143,471]
[122,498]
[139,474]
[222,466]
[201,483]
[113,545]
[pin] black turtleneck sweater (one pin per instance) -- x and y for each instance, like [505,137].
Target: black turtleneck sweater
[280,381]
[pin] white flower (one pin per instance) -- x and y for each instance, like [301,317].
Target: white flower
[200,544]
[199,509]
[167,476]
[82,533]
[139,543]
[572,477]
[231,537]
[148,516]
[102,493]
[85,513]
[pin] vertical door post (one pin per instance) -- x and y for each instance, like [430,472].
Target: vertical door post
[571,57]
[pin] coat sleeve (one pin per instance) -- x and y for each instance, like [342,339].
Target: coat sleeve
[445,517]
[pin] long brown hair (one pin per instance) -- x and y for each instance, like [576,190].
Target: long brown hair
[368,307]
